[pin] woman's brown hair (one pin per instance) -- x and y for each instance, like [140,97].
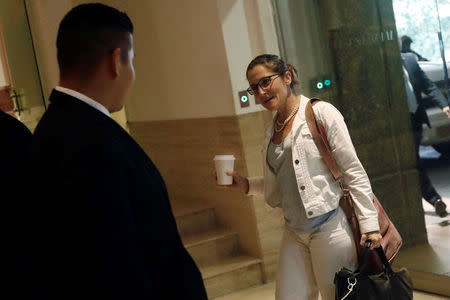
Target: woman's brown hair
[277,65]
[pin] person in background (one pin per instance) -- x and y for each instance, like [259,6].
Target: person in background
[15,143]
[104,224]
[406,47]
[317,239]
[416,83]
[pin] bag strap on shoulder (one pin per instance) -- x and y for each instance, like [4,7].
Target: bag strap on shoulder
[319,135]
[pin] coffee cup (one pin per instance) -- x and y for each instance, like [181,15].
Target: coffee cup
[224,163]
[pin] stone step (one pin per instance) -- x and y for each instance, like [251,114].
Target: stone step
[232,274]
[193,218]
[211,247]
[182,208]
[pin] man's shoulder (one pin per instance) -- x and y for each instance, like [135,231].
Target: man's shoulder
[410,59]
[12,126]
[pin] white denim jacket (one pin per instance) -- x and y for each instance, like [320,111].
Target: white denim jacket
[319,192]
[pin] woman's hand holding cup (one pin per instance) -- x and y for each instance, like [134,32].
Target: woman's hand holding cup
[239,182]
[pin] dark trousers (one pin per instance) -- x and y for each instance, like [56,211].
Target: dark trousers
[426,187]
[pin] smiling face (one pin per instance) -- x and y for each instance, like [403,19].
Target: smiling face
[274,96]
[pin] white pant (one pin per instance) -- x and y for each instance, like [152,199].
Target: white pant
[308,261]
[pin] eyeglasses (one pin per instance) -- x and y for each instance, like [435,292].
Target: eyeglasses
[262,83]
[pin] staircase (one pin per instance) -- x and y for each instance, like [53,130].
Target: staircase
[216,251]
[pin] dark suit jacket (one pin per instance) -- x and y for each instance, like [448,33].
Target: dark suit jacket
[15,142]
[106,229]
[422,84]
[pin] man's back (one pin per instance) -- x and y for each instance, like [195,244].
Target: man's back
[422,84]
[15,142]
[16,138]
[108,229]
[104,227]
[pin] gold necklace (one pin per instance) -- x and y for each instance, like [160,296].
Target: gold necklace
[286,120]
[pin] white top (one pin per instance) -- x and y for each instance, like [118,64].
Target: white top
[279,158]
[83,98]
[318,191]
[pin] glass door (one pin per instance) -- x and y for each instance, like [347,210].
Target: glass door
[20,86]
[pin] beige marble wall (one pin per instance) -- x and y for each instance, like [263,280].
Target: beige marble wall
[44,17]
[183,151]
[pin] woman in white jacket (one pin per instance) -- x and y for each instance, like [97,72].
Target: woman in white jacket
[317,240]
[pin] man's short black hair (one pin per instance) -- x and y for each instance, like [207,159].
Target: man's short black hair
[88,34]
[406,39]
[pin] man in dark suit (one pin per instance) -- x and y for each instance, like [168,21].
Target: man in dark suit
[420,83]
[104,222]
[15,141]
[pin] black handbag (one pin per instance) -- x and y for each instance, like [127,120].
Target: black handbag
[359,285]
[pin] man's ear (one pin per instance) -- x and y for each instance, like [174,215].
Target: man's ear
[116,62]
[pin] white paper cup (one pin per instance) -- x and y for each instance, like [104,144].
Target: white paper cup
[224,163]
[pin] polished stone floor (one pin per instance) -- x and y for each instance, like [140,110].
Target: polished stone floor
[431,262]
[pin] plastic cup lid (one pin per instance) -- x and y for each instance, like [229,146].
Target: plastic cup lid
[224,157]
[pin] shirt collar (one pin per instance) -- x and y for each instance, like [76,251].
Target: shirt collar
[83,98]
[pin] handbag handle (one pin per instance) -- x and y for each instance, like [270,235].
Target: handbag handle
[381,255]
[384,260]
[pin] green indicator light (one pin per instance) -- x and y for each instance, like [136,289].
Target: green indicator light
[319,85]
[327,82]
[244,99]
